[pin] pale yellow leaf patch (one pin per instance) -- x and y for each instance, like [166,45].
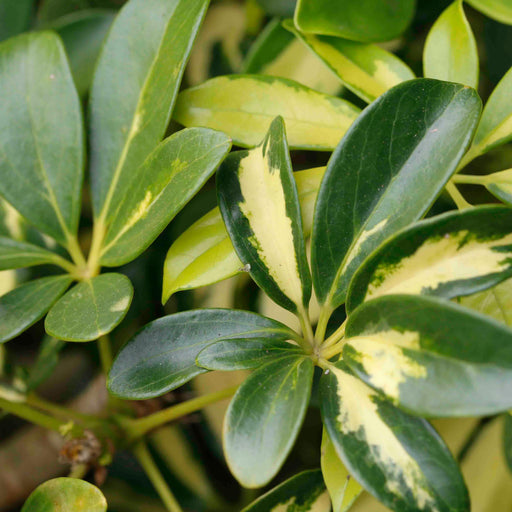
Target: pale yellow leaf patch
[120,305]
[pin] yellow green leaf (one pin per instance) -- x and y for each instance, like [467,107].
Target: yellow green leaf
[500,185]
[499,10]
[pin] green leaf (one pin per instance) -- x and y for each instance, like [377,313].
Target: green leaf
[66,495]
[162,355]
[41,146]
[450,51]
[134,89]
[366,69]
[278,7]
[47,359]
[430,356]
[243,106]
[259,203]
[14,17]
[405,144]
[229,355]
[91,309]
[304,492]
[264,418]
[343,488]
[16,254]
[499,10]
[82,34]
[398,458]
[458,253]
[204,254]
[507,439]
[159,189]
[358,20]
[25,305]
[499,184]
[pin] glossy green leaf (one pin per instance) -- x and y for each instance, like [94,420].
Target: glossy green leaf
[499,10]
[450,49]
[499,184]
[343,488]
[458,253]
[405,144]
[259,203]
[398,458]
[90,309]
[366,69]
[162,355]
[134,89]
[229,355]
[430,356]
[358,20]
[304,492]
[66,495]
[264,418]
[507,439]
[25,305]
[14,17]
[204,254]
[82,34]
[16,254]
[243,106]
[41,146]
[159,189]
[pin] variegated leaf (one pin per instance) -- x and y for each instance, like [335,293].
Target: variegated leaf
[204,254]
[259,203]
[430,356]
[455,254]
[243,106]
[388,451]
[366,69]
[304,492]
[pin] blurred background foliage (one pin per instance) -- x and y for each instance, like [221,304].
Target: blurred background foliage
[236,37]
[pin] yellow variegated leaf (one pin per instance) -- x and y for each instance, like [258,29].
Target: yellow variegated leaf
[366,69]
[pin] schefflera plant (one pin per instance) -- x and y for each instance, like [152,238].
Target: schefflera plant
[404,353]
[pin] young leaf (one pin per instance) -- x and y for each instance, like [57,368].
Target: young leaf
[25,305]
[366,20]
[343,488]
[366,69]
[264,418]
[458,253]
[159,188]
[389,452]
[229,355]
[66,495]
[499,10]
[430,356]
[134,89]
[260,206]
[17,254]
[405,144]
[304,492]
[243,106]
[162,355]
[90,309]
[204,254]
[41,141]
[499,184]
[450,49]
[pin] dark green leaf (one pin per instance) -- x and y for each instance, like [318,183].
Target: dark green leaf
[405,144]
[282,8]
[359,20]
[66,495]
[47,359]
[304,492]
[16,254]
[162,355]
[244,354]
[259,203]
[430,356]
[264,418]
[28,303]
[14,17]
[398,458]
[450,255]
[159,188]
[41,137]
[134,89]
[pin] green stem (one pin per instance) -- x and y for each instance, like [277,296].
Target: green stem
[321,327]
[336,336]
[98,236]
[26,412]
[62,412]
[141,451]
[332,351]
[75,252]
[138,427]
[470,179]
[307,330]
[105,351]
[457,197]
